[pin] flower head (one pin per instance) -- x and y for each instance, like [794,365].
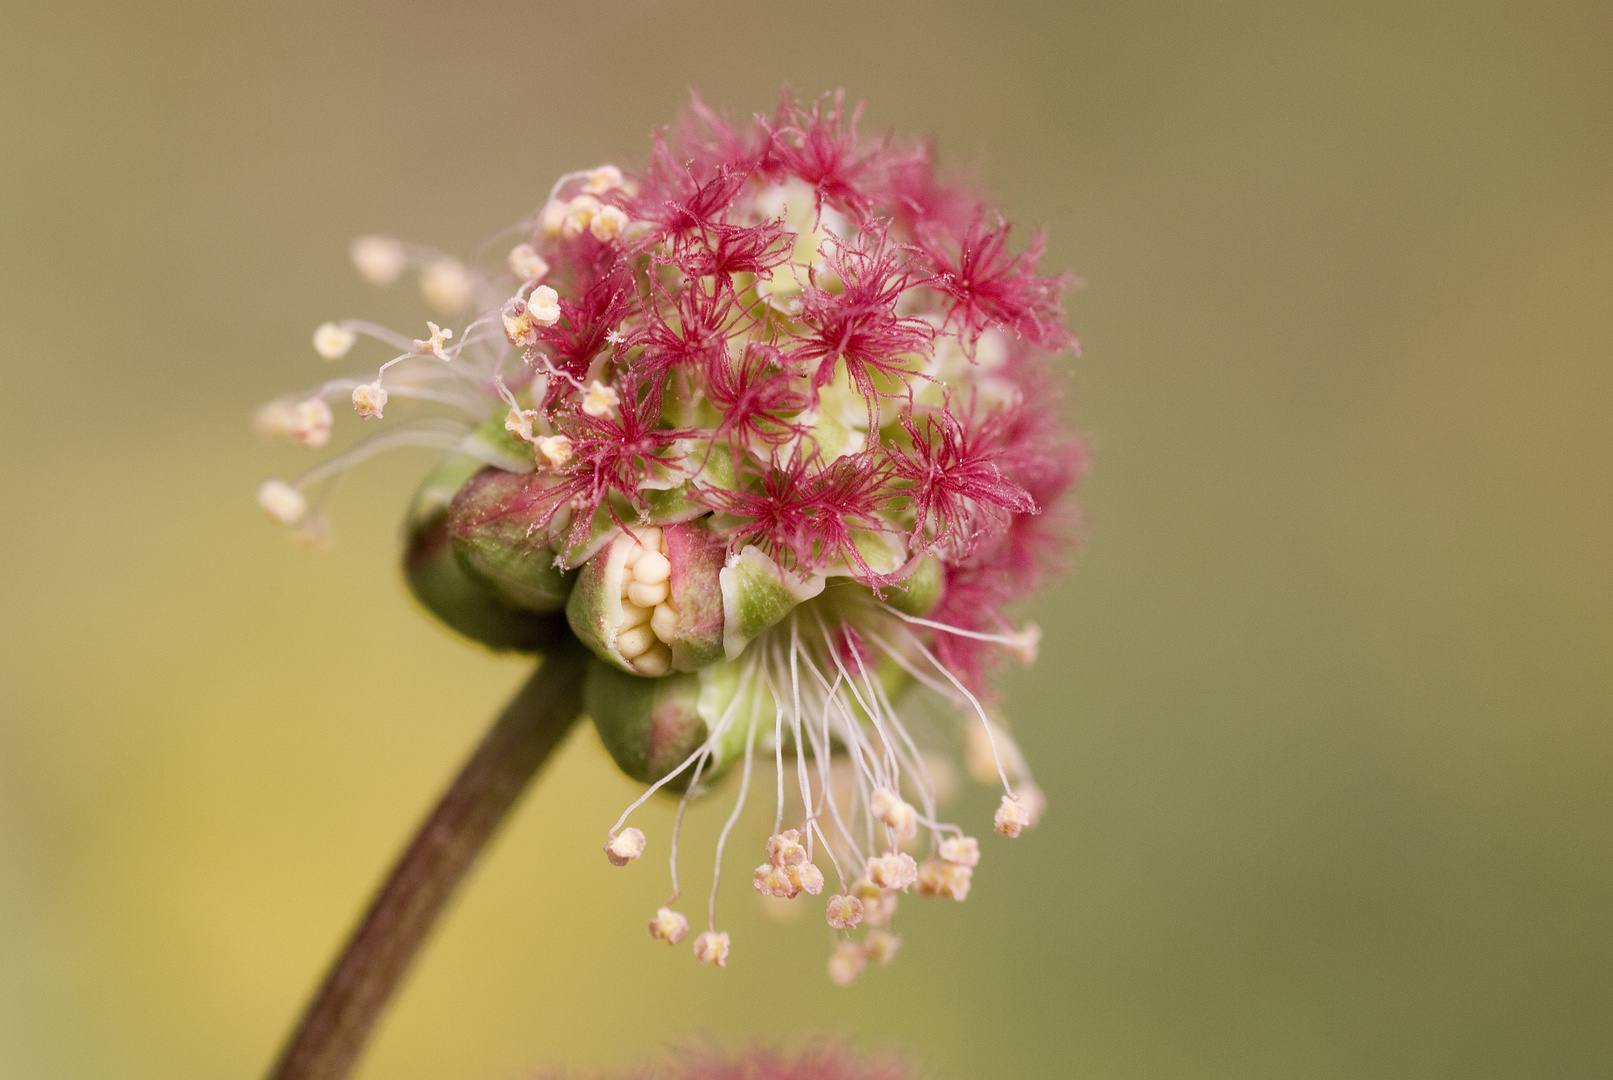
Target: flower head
[772,423]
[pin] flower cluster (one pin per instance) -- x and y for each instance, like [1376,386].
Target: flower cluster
[770,428]
[814,1062]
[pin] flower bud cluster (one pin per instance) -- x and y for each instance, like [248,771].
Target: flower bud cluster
[770,423]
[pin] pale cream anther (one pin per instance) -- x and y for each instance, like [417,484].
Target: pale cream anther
[879,909]
[518,422]
[980,757]
[771,880]
[889,807]
[652,568]
[607,224]
[1035,803]
[603,179]
[600,400]
[543,306]
[554,450]
[579,215]
[805,877]
[881,946]
[668,926]
[940,878]
[379,259]
[847,962]
[275,418]
[633,615]
[785,848]
[664,622]
[1025,643]
[879,905]
[625,846]
[639,641]
[655,662]
[650,538]
[845,911]
[446,285]
[635,642]
[712,948]
[1011,817]
[895,871]
[527,264]
[369,400]
[434,343]
[961,851]
[310,421]
[282,502]
[552,218]
[648,595]
[332,341]
[518,329]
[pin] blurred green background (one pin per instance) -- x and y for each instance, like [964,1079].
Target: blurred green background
[1323,711]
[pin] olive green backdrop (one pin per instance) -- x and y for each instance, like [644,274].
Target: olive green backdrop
[1323,711]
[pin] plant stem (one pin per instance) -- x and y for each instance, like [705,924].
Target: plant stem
[337,1024]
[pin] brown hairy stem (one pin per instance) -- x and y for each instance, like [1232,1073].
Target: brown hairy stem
[333,1031]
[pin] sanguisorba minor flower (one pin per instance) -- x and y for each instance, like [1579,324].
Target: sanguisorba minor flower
[772,424]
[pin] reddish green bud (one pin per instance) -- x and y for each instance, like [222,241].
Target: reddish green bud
[697,561]
[652,725]
[439,581]
[500,523]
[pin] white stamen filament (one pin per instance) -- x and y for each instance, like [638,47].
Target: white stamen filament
[728,827]
[980,711]
[436,434]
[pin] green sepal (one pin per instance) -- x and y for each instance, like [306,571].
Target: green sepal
[919,592]
[438,580]
[494,444]
[594,609]
[499,526]
[649,726]
[719,685]
[757,593]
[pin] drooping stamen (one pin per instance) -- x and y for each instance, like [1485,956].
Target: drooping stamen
[980,710]
[1018,641]
[712,738]
[437,433]
[677,823]
[728,827]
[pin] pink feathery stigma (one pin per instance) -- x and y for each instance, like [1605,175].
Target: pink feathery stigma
[612,453]
[821,147]
[959,493]
[858,325]
[989,287]
[689,328]
[916,197]
[805,515]
[755,393]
